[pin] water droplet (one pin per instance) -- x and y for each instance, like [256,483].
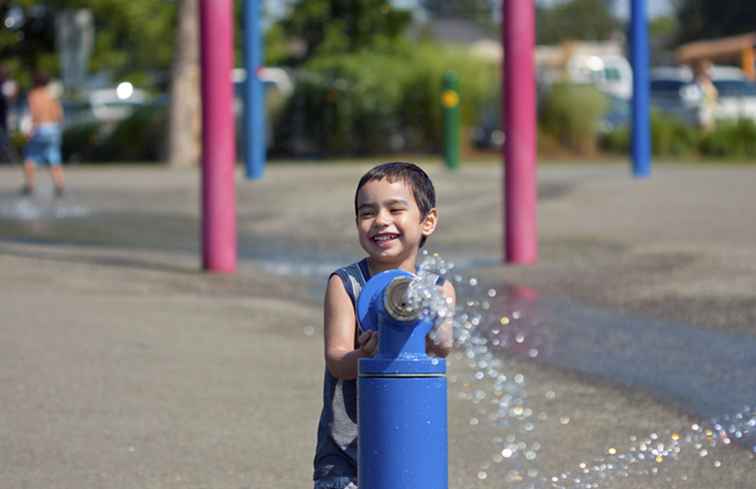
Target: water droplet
[504,321]
[473,282]
[473,421]
[491,293]
[482,475]
[309,330]
[612,451]
[564,420]
[717,463]
[507,453]
[550,395]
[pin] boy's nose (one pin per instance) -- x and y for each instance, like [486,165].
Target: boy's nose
[383,218]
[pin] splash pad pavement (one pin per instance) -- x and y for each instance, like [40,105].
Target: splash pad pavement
[123,366]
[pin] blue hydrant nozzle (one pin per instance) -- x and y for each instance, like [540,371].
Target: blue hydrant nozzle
[396,300]
[401,392]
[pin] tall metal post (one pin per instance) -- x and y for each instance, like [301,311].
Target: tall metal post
[401,394]
[641,131]
[254,95]
[450,110]
[218,153]
[519,114]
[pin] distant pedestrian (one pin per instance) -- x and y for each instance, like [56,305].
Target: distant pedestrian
[709,96]
[43,147]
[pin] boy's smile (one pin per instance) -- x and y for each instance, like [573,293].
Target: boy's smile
[389,224]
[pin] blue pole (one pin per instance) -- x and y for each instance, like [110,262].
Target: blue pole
[401,394]
[641,131]
[254,96]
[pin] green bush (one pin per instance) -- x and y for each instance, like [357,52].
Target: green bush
[377,102]
[669,137]
[672,137]
[139,137]
[616,141]
[730,139]
[572,113]
[80,141]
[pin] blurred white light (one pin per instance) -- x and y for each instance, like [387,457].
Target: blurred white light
[124,90]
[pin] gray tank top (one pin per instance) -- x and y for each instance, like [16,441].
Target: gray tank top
[336,451]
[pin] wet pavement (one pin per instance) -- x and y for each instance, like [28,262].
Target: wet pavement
[643,300]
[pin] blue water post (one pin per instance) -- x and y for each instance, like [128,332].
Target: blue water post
[401,394]
[641,130]
[254,96]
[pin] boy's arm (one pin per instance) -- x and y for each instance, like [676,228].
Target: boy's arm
[441,344]
[339,328]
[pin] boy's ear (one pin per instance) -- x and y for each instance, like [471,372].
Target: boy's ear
[429,222]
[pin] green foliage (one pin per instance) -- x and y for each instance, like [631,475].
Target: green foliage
[371,102]
[139,137]
[572,113]
[585,20]
[708,19]
[328,27]
[672,137]
[478,11]
[130,37]
[730,139]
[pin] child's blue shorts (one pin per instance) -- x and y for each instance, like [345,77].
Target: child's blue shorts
[44,145]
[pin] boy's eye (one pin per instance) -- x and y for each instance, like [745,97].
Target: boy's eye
[366,213]
[397,210]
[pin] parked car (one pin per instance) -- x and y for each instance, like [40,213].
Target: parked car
[674,92]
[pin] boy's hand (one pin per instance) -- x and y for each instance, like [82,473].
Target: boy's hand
[368,342]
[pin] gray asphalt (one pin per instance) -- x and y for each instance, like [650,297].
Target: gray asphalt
[124,366]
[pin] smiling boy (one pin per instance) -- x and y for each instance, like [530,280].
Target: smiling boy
[395,206]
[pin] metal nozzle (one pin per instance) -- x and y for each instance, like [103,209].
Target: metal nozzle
[396,302]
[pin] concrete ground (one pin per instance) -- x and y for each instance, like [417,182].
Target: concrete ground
[123,366]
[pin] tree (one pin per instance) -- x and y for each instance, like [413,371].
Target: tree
[130,37]
[478,11]
[344,26]
[184,123]
[707,19]
[584,20]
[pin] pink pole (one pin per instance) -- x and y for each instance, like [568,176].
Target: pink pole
[218,146]
[519,112]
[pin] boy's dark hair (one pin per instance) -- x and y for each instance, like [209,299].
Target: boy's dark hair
[40,79]
[412,175]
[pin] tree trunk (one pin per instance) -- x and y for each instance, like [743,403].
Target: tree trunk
[185,116]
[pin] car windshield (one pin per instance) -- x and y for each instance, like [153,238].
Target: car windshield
[666,86]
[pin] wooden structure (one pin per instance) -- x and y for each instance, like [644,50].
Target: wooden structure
[734,48]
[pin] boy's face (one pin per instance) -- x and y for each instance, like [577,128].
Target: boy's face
[389,224]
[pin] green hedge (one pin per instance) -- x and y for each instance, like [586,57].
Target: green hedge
[374,102]
[572,113]
[139,137]
[671,137]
